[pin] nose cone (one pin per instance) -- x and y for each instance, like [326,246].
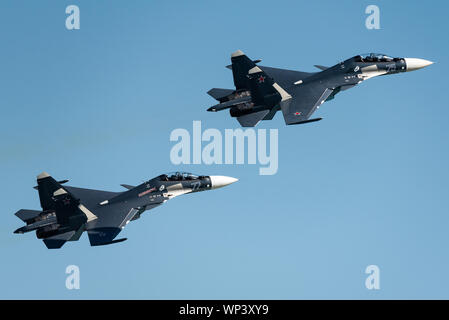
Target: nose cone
[415,63]
[221,181]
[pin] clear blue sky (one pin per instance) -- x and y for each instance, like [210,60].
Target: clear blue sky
[367,185]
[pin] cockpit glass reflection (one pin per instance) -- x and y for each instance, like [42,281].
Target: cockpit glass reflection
[373,57]
[178,176]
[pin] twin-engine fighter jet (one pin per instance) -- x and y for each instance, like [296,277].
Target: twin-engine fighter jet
[261,91]
[68,211]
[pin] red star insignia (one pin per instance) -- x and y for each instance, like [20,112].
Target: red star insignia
[261,79]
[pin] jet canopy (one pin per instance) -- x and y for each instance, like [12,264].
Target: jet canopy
[178,176]
[373,57]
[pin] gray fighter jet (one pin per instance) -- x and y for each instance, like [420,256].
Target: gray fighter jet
[261,91]
[68,211]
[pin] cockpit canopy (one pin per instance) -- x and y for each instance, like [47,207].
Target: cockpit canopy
[373,57]
[178,176]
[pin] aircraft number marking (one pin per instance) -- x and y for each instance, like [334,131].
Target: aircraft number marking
[196,185]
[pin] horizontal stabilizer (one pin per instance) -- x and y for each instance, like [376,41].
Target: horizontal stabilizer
[127,186]
[54,244]
[25,214]
[321,67]
[218,93]
[34,225]
[57,241]
[252,119]
[229,104]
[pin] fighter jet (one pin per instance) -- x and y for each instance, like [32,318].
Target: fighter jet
[261,91]
[68,211]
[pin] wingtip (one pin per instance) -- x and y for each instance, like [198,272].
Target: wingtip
[43,175]
[304,121]
[237,53]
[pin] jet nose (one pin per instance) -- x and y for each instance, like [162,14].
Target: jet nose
[221,181]
[415,63]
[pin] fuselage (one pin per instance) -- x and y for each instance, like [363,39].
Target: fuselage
[339,77]
[355,70]
[71,209]
[157,191]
